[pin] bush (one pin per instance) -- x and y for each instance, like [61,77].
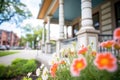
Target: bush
[19,61]
[17,68]
[29,66]
[2,71]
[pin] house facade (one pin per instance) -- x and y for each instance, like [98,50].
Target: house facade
[8,38]
[88,18]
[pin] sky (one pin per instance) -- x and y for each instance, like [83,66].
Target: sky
[33,6]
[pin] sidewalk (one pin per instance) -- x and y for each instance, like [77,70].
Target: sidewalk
[44,58]
[26,54]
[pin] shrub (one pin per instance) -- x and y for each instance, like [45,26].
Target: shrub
[29,66]
[19,61]
[17,68]
[2,71]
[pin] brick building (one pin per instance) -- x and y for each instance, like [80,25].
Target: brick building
[8,38]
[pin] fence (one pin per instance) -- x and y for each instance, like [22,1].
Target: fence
[67,43]
[105,37]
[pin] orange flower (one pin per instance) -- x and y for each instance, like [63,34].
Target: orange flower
[107,44]
[116,46]
[53,69]
[78,65]
[83,50]
[117,34]
[94,53]
[62,62]
[106,61]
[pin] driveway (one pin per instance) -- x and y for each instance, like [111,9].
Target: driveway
[26,54]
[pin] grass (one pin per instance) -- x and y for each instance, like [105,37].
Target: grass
[4,53]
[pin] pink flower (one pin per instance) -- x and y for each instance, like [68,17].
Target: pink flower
[107,44]
[83,50]
[117,34]
[106,61]
[78,65]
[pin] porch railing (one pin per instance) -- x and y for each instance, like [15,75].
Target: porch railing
[105,37]
[101,38]
[68,43]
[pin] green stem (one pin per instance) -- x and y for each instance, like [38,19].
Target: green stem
[92,75]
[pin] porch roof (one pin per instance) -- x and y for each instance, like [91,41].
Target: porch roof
[72,9]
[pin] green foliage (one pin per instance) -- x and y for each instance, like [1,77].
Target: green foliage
[4,53]
[117,74]
[2,71]
[22,41]
[39,79]
[19,61]
[32,33]
[29,66]
[25,66]
[13,10]
[18,67]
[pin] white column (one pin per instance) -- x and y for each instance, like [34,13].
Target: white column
[61,25]
[87,34]
[48,30]
[43,38]
[86,9]
[48,45]
[43,33]
[61,19]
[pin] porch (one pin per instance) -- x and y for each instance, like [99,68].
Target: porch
[91,21]
[68,43]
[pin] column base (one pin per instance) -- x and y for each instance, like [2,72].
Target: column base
[87,37]
[58,46]
[43,48]
[48,48]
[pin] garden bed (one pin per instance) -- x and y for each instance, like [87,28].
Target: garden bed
[19,69]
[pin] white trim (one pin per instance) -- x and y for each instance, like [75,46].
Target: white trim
[50,8]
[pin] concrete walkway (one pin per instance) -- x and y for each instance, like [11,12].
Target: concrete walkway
[44,58]
[27,54]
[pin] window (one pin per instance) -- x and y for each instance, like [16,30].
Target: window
[75,29]
[96,22]
[117,13]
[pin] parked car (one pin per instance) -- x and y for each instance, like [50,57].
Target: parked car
[3,47]
[7,47]
[16,48]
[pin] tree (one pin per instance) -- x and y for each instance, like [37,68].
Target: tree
[32,33]
[13,10]
[22,41]
[37,34]
[32,38]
